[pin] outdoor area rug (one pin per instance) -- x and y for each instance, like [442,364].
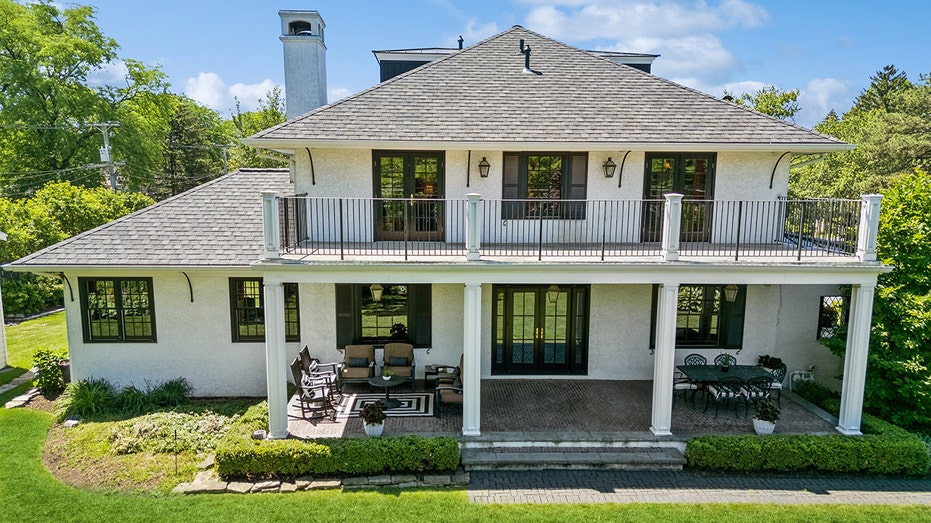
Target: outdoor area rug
[413,404]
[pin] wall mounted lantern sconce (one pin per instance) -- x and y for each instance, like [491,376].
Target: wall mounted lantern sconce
[730,293]
[609,167]
[552,293]
[483,167]
[377,291]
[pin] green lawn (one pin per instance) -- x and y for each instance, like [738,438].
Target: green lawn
[30,493]
[23,339]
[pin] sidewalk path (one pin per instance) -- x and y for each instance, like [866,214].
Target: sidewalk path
[601,486]
[17,381]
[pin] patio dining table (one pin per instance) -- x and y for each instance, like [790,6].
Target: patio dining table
[713,373]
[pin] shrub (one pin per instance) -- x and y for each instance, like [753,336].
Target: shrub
[132,402]
[170,393]
[815,393]
[237,455]
[49,377]
[887,449]
[84,398]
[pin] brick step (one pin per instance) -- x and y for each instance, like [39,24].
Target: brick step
[576,457]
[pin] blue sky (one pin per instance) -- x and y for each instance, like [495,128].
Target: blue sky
[213,50]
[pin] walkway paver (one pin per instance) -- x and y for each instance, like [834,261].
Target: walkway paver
[599,486]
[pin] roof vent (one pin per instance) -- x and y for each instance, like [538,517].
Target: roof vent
[525,50]
[460,41]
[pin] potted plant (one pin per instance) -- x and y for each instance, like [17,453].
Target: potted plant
[769,362]
[399,331]
[385,373]
[373,418]
[764,421]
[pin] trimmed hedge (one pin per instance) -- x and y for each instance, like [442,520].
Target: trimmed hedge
[238,455]
[884,449]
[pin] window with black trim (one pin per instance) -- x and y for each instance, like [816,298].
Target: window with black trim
[548,176]
[247,309]
[705,317]
[117,309]
[831,315]
[380,313]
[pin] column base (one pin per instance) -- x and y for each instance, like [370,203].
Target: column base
[471,432]
[660,432]
[278,435]
[848,432]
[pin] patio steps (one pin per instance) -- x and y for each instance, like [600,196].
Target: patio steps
[551,455]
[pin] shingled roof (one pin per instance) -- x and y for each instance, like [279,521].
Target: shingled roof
[217,224]
[483,95]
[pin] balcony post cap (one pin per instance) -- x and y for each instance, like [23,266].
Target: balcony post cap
[269,192]
[872,197]
[472,196]
[673,196]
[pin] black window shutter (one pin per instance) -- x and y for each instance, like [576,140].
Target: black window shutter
[345,315]
[421,300]
[734,320]
[511,189]
[578,176]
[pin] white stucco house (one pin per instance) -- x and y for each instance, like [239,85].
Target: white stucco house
[544,211]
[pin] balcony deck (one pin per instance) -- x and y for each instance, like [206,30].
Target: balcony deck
[557,231]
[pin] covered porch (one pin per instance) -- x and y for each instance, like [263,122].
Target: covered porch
[567,409]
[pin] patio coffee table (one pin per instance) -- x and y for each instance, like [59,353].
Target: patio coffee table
[393,381]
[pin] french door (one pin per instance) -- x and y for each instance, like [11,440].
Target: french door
[540,329]
[689,174]
[409,195]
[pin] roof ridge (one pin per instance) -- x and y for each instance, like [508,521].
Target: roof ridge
[389,81]
[121,219]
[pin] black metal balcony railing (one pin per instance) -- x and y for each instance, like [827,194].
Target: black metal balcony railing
[541,229]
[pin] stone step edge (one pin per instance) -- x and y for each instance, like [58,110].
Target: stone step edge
[484,444]
[666,456]
[207,482]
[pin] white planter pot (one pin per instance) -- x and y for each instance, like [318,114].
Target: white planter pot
[373,430]
[763,427]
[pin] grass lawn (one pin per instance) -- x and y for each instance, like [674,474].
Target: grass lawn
[30,493]
[23,339]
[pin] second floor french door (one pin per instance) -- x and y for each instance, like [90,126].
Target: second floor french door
[689,174]
[409,195]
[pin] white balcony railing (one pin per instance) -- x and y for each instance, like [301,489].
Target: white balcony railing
[477,228]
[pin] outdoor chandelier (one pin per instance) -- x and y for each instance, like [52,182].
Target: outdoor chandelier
[483,167]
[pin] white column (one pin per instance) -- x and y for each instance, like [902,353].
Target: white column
[472,361]
[664,359]
[869,227]
[858,346]
[270,225]
[672,225]
[473,228]
[275,361]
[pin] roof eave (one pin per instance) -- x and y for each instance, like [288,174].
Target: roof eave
[289,145]
[55,269]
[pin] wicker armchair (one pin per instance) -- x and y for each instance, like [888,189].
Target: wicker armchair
[399,360]
[358,365]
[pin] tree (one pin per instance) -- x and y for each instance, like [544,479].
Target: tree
[195,148]
[271,112]
[57,211]
[884,85]
[51,87]
[898,380]
[891,125]
[769,100]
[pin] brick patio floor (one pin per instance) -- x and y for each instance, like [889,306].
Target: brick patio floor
[572,408]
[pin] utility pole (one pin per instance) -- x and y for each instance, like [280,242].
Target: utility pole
[105,156]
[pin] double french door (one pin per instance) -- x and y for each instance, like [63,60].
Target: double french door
[689,174]
[540,329]
[409,195]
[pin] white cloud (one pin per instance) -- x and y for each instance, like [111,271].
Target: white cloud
[210,90]
[112,73]
[821,95]
[334,94]
[476,32]
[684,33]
